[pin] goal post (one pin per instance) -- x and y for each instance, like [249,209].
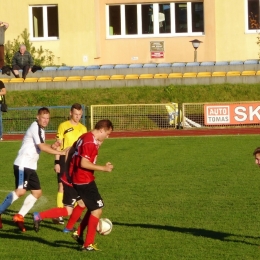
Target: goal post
[137,117]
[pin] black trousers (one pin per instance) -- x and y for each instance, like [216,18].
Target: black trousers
[24,68]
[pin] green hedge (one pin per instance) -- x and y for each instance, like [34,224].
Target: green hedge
[135,95]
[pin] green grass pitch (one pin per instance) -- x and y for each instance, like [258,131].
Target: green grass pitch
[168,198]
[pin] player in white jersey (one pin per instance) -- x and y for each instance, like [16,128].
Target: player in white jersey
[25,165]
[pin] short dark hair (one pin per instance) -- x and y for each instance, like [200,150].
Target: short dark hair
[76,106]
[104,123]
[2,85]
[256,151]
[43,110]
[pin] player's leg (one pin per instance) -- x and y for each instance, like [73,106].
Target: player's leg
[69,200]
[74,217]
[32,183]
[60,191]
[78,234]
[14,195]
[93,201]
[60,204]
[9,199]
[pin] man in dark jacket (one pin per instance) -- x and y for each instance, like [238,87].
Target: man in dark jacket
[22,60]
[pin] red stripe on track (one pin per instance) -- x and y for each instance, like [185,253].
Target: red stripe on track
[192,132]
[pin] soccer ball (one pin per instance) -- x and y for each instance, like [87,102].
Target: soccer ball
[104,226]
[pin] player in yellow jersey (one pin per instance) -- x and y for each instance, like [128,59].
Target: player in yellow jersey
[68,132]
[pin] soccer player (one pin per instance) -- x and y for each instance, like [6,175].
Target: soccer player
[68,132]
[25,165]
[81,169]
[69,199]
[256,153]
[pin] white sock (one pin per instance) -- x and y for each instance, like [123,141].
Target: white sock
[27,204]
[10,198]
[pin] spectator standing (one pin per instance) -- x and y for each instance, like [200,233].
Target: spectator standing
[2,94]
[22,60]
[3,28]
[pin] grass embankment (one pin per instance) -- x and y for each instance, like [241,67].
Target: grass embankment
[136,95]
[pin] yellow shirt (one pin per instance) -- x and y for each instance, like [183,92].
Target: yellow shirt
[69,133]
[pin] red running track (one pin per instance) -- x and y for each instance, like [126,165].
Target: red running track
[192,132]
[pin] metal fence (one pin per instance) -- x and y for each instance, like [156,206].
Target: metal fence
[140,117]
[17,120]
[136,117]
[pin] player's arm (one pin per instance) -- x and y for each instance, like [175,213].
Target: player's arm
[69,153]
[85,163]
[51,149]
[57,159]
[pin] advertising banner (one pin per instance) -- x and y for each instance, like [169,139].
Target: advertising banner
[232,114]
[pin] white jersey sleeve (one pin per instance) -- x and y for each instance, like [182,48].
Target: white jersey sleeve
[29,152]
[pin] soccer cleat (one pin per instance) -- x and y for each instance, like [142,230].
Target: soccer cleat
[90,247]
[78,238]
[36,221]
[61,220]
[1,223]
[58,220]
[19,220]
[67,230]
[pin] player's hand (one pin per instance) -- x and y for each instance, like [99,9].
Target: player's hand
[65,151]
[57,168]
[56,145]
[109,167]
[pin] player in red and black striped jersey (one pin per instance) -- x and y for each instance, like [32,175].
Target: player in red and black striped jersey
[81,170]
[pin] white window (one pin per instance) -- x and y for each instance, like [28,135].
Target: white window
[158,19]
[252,14]
[43,21]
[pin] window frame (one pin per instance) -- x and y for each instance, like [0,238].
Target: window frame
[156,23]
[249,31]
[45,23]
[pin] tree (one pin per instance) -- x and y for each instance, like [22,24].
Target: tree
[41,57]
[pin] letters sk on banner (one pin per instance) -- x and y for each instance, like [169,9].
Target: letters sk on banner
[232,114]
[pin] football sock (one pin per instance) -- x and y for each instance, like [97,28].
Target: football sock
[59,199]
[10,198]
[76,213]
[92,229]
[83,223]
[27,204]
[54,213]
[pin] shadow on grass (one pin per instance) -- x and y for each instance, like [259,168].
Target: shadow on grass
[199,232]
[28,222]
[15,234]
[25,237]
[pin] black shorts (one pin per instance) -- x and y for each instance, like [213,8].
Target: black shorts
[90,195]
[62,168]
[70,196]
[26,178]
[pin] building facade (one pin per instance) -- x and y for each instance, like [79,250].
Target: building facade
[89,32]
